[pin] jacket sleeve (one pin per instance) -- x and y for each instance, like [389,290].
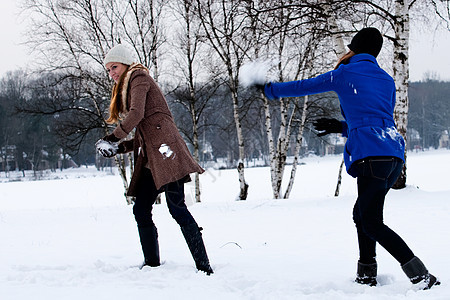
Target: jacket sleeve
[344,129]
[138,88]
[344,124]
[394,97]
[320,84]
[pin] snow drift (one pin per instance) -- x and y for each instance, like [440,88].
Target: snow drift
[76,238]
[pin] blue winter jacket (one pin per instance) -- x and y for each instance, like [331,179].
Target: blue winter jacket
[367,97]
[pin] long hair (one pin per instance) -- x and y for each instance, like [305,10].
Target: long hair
[344,59]
[116,106]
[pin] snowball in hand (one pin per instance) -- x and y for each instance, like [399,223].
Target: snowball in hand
[254,73]
[105,148]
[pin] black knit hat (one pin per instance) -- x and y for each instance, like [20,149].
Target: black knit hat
[367,40]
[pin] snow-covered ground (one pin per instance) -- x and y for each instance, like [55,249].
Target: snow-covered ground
[75,237]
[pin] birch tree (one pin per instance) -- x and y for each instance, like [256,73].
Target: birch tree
[278,152]
[193,91]
[224,26]
[401,26]
[296,32]
[336,34]
[401,74]
[339,47]
[298,145]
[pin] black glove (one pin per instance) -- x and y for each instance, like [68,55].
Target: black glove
[125,146]
[120,148]
[111,138]
[259,87]
[326,126]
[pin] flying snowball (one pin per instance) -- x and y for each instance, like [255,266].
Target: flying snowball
[253,73]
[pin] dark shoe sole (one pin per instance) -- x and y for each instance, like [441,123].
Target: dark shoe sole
[431,281]
[366,281]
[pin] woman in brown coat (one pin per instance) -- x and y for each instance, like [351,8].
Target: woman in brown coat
[162,159]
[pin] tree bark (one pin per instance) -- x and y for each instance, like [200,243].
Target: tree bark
[272,151]
[298,146]
[401,76]
[224,37]
[339,181]
[240,168]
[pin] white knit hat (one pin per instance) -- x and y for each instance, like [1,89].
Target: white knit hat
[120,54]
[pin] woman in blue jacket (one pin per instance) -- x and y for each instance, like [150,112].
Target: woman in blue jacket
[374,152]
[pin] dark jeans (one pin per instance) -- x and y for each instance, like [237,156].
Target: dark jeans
[376,176]
[146,195]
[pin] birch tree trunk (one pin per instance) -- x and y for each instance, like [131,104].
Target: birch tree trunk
[401,75]
[333,27]
[280,153]
[196,148]
[298,145]
[190,53]
[243,185]
[268,123]
[155,41]
[339,46]
[121,166]
[228,40]
[339,181]
[275,148]
[278,148]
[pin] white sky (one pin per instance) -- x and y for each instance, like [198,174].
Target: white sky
[13,55]
[429,52]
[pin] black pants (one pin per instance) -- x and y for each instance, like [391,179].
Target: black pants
[146,195]
[376,176]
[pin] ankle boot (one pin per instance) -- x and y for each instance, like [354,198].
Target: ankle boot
[194,240]
[418,273]
[150,246]
[367,274]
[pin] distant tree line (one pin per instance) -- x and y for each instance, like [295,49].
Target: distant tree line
[50,140]
[429,113]
[44,123]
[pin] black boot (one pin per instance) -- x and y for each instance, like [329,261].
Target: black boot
[194,240]
[418,273]
[367,274]
[150,246]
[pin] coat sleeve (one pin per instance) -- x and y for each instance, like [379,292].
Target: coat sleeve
[393,97]
[344,129]
[138,88]
[320,84]
[344,124]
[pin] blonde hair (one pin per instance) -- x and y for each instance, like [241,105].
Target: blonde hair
[116,105]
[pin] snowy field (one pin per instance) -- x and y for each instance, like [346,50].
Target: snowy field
[75,237]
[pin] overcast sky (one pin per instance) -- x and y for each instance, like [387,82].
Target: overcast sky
[429,52]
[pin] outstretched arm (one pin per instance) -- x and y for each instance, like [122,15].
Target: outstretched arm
[320,84]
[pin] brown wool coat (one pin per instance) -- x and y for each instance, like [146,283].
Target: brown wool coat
[157,144]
